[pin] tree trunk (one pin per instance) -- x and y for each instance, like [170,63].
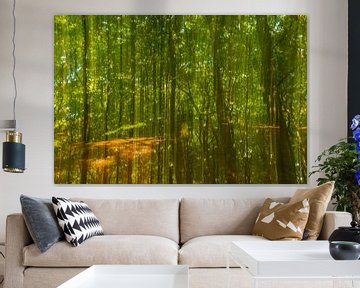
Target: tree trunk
[85,127]
[355,201]
[172,59]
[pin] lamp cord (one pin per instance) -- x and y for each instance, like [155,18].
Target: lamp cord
[14,61]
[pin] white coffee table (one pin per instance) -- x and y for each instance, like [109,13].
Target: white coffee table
[131,276]
[297,260]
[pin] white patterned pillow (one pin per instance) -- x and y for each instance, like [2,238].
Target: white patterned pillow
[77,220]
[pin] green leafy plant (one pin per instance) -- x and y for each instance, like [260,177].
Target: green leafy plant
[341,163]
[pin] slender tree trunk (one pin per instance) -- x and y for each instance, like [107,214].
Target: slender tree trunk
[355,203]
[267,82]
[226,149]
[120,95]
[105,179]
[85,126]
[161,116]
[172,63]
[133,92]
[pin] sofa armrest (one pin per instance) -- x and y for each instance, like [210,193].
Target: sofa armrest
[17,237]
[333,220]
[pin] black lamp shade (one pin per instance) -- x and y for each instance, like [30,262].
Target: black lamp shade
[13,157]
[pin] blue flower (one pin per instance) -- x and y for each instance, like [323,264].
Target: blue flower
[356,134]
[355,122]
[355,126]
[357,176]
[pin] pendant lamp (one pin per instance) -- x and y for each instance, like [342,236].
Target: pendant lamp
[13,150]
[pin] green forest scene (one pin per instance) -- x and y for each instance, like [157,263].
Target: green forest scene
[180,99]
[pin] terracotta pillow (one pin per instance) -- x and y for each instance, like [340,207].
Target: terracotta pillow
[319,198]
[279,221]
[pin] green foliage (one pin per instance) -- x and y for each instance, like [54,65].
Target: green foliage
[339,163]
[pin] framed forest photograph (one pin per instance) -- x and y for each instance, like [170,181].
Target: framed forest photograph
[180,99]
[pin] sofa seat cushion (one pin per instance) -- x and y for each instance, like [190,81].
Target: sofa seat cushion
[107,249]
[211,251]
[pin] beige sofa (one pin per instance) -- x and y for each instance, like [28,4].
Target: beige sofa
[194,232]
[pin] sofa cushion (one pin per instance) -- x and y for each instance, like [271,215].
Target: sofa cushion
[319,198]
[201,217]
[41,221]
[211,251]
[35,277]
[158,217]
[107,249]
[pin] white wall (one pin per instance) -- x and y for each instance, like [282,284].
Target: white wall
[326,80]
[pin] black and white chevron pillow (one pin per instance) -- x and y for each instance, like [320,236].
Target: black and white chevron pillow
[77,220]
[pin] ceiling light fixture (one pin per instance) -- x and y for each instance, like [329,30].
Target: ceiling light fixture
[13,149]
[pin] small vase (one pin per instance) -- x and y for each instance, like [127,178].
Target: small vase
[344,250]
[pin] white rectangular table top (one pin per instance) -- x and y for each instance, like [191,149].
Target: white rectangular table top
[291,259]
[131,276]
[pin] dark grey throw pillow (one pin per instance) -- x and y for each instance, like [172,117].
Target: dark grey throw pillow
[41,221]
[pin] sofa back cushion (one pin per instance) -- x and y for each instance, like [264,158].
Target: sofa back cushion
[200,217]
[158,217]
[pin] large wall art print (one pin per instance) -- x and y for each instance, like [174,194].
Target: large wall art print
[180,99]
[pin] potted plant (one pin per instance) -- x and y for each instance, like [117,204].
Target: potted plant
[341,163]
